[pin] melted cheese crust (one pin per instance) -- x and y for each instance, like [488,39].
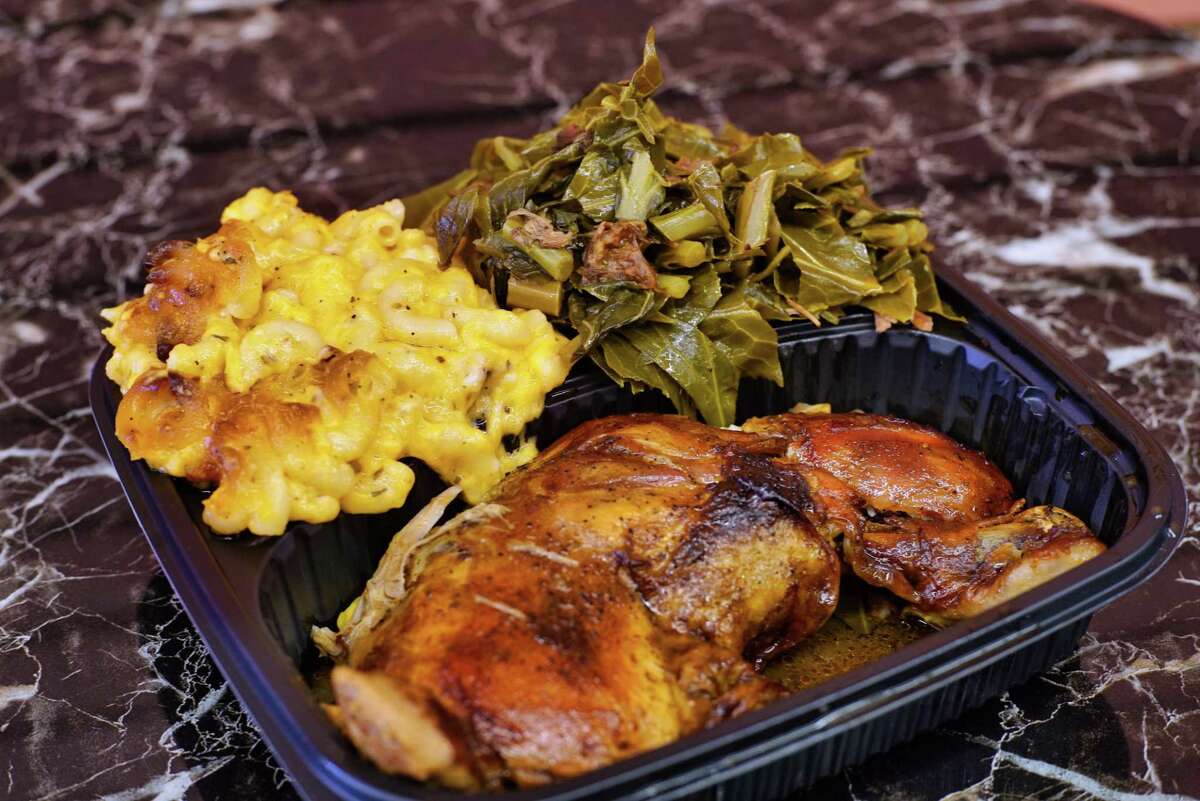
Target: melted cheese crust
[293,362]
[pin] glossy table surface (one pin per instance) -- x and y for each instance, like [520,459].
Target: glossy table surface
[1055,148]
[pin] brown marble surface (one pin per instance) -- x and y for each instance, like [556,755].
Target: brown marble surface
[1056,149]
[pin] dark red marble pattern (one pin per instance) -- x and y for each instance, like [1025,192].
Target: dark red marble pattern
[1056,148]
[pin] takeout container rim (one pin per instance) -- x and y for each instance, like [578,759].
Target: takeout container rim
[271,691]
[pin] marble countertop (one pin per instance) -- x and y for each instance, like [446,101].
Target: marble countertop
[1056,149]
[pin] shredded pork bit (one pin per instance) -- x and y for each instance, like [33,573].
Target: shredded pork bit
[534,229]
[571,133]
[615,254]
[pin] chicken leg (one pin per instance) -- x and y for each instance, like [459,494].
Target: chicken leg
[601,607]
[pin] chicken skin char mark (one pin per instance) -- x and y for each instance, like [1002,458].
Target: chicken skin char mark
[614,595]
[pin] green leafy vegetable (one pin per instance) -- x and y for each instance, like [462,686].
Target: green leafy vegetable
[542,294]
[624,363]
[755,209]
[607,309]
[705,183]
[669,248]
[688,356]
[898,301]
[596,185]
[746,339]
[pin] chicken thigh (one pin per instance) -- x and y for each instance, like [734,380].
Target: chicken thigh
[599,607]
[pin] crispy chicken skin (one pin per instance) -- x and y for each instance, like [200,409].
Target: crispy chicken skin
[923,516]
[950,571]
[603,612]
[891,465]
[616,594]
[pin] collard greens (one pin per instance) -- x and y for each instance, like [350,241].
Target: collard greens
[667,248]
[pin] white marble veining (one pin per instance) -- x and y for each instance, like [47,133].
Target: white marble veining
[1056,150]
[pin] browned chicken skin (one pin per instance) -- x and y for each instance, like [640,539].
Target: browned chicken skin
[889,465]
[950,571]
[925,517]
[613,595]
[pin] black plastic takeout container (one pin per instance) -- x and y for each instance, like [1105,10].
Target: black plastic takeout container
[990,383]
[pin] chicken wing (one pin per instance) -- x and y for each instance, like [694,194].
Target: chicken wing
[922,516]
[950,571]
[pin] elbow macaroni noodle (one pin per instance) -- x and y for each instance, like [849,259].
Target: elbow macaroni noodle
[294,362]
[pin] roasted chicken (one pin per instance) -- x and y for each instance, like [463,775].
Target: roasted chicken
[620,591]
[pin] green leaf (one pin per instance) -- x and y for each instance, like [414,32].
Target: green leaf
[512,159]
[909,233]
[535,292]
[928,299]
[755,209]
[778,153]
[834,269]
[685,140]
[891,261]
[451,225]
[845,167]
[686,254]
[704,292]
[558,263]
[596,185]
[619,307]
[623,362]
[641,189]
[506,254]
[685,223]
[515,189]
[746,339]
[648,77]
[421,207]
[801,199]
[766,300]
[898,300]
[868,216]
[705,183]
[673,286]
[691,358]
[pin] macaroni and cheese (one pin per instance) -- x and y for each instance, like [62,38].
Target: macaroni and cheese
[294,362]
